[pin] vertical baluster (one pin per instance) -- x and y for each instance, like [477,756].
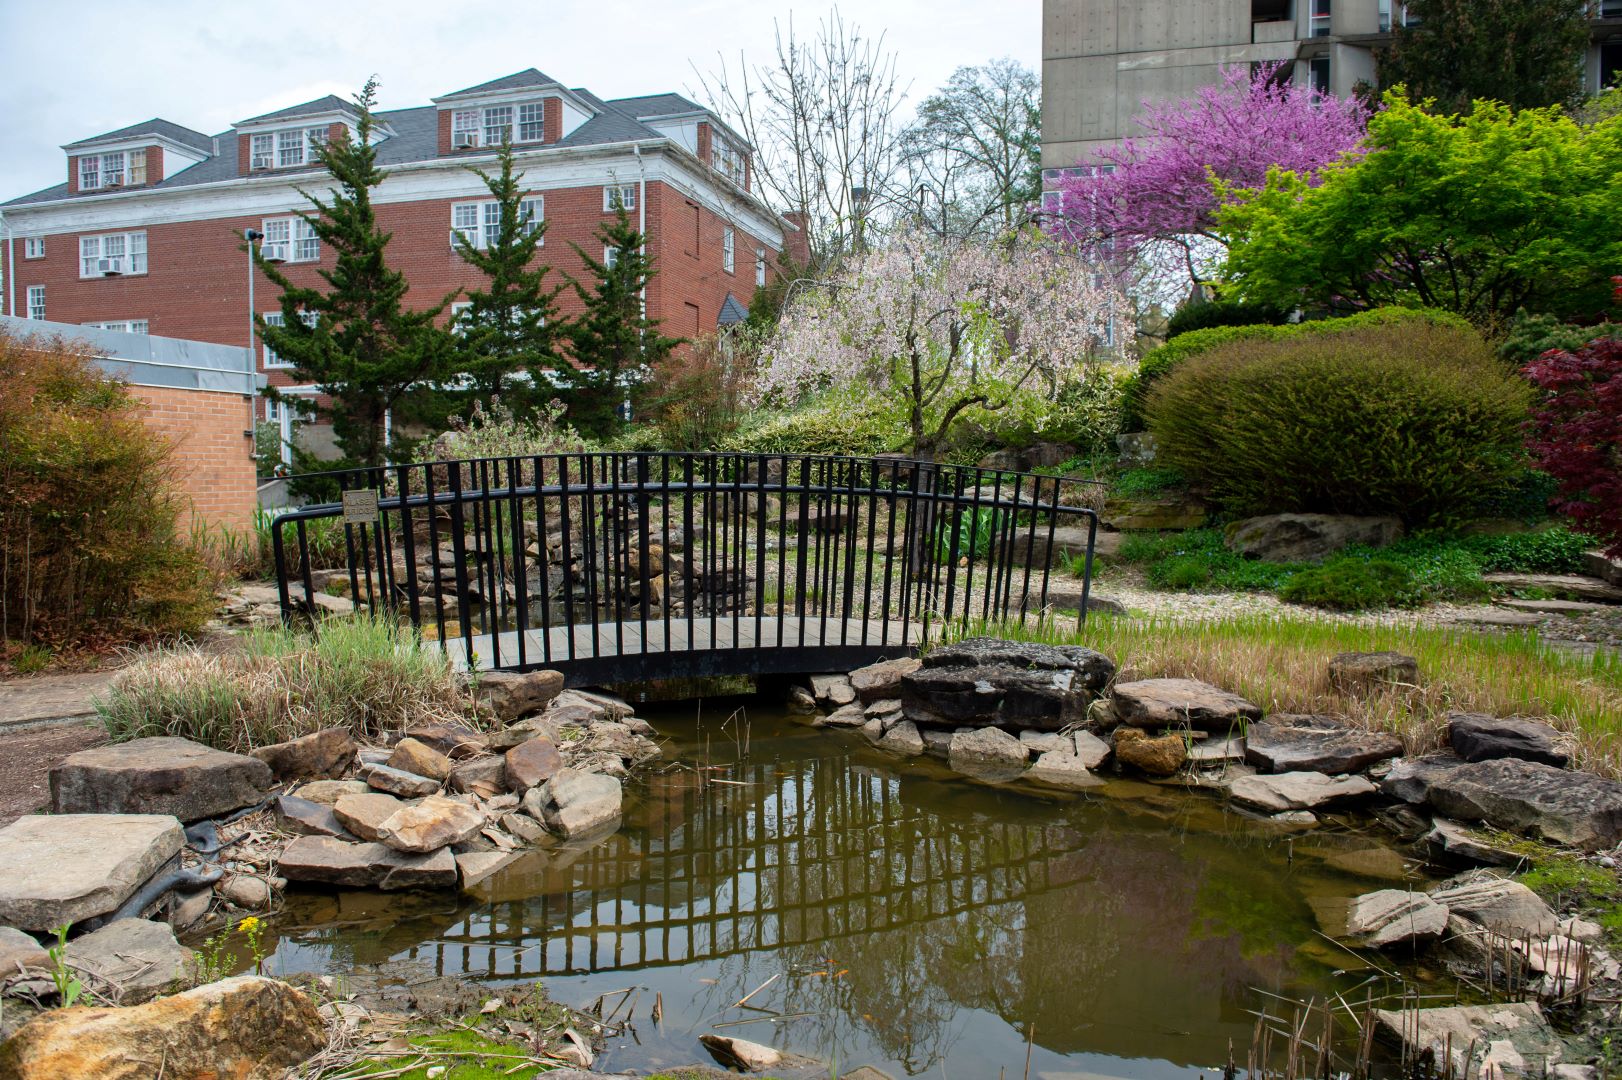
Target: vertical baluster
[566,500]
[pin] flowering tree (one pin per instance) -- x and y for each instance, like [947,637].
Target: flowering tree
[1156,190]
[945,328]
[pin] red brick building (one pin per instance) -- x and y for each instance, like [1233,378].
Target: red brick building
[145,232]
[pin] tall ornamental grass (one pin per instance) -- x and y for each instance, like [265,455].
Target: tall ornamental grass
[278,683]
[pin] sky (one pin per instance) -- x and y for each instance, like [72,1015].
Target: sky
[90,66]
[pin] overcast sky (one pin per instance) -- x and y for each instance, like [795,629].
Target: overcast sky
[77,69]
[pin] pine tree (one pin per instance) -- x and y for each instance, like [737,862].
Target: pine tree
[1527,54]
[613,344]
[509,327]
[354,339]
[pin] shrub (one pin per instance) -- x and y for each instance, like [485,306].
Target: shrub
[89,507]
[369,676]
[1160,362]
[1198,559]
[1203,316]
[1530,336]
[1355,584]
[1414,419]
[830,426]
[1084,410]
[1576,434]
[1547,551]
[697,399]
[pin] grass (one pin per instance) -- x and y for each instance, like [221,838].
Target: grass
[1567,882]
[1281,664]
[278,683]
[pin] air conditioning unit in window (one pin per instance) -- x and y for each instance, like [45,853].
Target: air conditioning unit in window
[110,267]
[113,182]
[464,140]
[273,253]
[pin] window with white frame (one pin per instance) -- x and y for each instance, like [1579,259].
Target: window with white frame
[113,169]
[137,172]
[33,247]
[611,257]
[276,318]
[728,162]
[495,124]
[290,240]
[89,172]
[1320,18]
[760,268]
[262,152]
[479,223]
[619,197]
[286,149]
[36,301]
[112,254]
[123,326]
[728,249]
[459,317]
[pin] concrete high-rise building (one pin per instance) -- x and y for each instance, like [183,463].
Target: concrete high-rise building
[1101,59]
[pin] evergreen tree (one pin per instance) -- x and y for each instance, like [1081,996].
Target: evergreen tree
[509,327]
[613,344]
[1527,54]
[354,339]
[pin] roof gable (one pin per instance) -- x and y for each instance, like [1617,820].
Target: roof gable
[518,80]
[163,129]
[321,105]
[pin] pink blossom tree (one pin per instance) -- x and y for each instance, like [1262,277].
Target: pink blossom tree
[1156,190]
[945,328]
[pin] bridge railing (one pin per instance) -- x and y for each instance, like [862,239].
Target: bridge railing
[644,565]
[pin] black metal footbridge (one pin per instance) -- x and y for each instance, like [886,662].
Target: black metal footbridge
[623,567]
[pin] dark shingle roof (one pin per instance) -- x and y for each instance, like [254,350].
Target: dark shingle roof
[731,312]
[330,103]
[185,136]
[516,81]
[655,105]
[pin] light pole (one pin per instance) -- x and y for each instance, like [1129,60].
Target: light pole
[250,235]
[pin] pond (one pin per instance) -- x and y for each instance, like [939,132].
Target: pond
[895,915]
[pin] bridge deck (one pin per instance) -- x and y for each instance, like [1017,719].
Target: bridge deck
[603,642]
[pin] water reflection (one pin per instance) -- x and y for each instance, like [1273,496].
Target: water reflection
[913,919]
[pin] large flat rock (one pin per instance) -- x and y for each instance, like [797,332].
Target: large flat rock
[1297,791]
[131,960]
[329,861]
[1575,808]
[1477,737]
[988,681]
[1175,703]
[1509,1040]
[574,803]
[160,775]
[1289,743]
[1378,920]
[71,867]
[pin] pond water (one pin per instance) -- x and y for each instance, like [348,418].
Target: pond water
[905,919]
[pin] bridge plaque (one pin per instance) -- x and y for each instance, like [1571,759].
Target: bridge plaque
[360,507]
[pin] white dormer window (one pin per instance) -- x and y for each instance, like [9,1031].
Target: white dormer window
[111,170]
[287,149]
[728,162]
[495,124]
[619,197]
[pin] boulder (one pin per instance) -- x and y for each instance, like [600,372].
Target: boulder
[1307,537]
[1354,672]
[985,749]
[1171,703]
[20,950]
[1166,510]
[1067,542]
[419,758]
[482,776]
[1574,808]
[852,715]
[1042,742]
[246,1028]
[1061,770]
[1090,748]
[160,775]
[1378,920]
[327,753]
[800,700]
[69,868]
[530,763]
[476,866]
[574,803]
[1290,743]
[455,741]
[364,815]
[523,826]
[1476,737]
[902,737]
[245,891]
[1570,586]
[1162,756]
[1503,906]
[1506,1040]
[511,694]
[1297,790]
[1450,840]
[1218,751]
[1066,595]
[131,960]
[986,681]
[329,861]
[394,781]
[307,817]
[832,690]
[429,825]
[880,681]
[1410,779]
[328,792]
[741,1054]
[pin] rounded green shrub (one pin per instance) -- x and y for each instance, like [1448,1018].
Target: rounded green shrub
[1354,584]
[1415,418]
[1209,313]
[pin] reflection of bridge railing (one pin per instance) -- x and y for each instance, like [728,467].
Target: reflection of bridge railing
[824,854]
[648,565]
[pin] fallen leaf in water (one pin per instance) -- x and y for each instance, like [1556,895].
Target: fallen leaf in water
[709,982]
[841,971]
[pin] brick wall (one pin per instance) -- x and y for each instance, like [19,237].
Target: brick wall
[215,467]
